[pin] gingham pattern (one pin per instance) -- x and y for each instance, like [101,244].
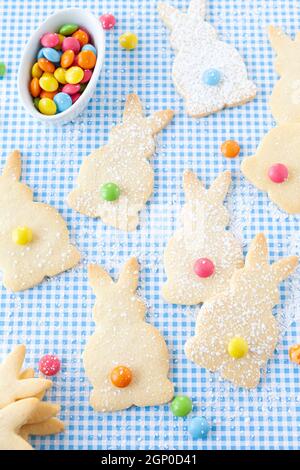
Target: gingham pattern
[56,316]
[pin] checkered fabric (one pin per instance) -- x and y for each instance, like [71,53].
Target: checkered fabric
[56,316]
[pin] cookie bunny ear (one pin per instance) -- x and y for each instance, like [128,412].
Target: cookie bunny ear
[129,275]
[168,14]
[220,186]
[197,8]
[133,107]
[258,251]
[12,168]
[284,267]
[279,40]
[99,279]
[193,186]
[160,119]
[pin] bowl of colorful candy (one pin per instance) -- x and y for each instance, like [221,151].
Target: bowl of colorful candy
[61,65]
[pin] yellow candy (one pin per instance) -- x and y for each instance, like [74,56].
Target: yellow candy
[36,72]
[237,347]
[48,82]
[128,40]
[47,106]
[22,235]
[74,75]
[60,75]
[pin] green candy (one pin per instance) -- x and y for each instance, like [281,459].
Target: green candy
[181,406]
[36,103]
[2,69]
[68,29]
[110,192]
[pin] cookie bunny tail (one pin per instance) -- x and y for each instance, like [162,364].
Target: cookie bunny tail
[279,40]
[197,8]
[168,14]
[160,120]
[192,186]
[129,275]
[284,267]
[220,186]
[133,108]
[12,168]
[258,251]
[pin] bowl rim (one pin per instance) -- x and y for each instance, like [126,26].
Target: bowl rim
[34,38]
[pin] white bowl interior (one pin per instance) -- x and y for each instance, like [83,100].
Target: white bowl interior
[52,24]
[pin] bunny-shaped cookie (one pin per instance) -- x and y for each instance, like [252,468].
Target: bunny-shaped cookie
[34,239]
[202,240]
[208,73]
[124,341]
[275,167]
[236,331]
[121,167]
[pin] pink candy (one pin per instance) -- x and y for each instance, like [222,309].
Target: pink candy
[87,76]
[49,365]
[70,89]
[278,173]
[204,267]
[72,44]
[108,21]
[75,97]
[50,40]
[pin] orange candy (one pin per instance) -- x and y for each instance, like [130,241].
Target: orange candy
[230,149]
[48,94]
[81,36]
[34,87]
[121,376]
[294,354]
[45,65]
[87,59]
[67,59]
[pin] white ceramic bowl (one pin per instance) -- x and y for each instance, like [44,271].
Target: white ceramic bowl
[70,15]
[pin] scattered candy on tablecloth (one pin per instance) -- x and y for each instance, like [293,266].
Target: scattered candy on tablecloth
[199,428]
[2,69]
[128,40]
[230,148]
[294,354]
[181,406]
[64,66]
[49,365]
[107,20]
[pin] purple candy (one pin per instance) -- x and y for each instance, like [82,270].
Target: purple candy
[72,44]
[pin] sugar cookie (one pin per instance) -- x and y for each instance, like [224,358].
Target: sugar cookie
[208,73]
[236,332]
[201,256]
[116,180]
[34,239]
[126,359]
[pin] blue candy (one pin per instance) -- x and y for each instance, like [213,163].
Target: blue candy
[51,54]
[211,77]
[89,47]
[40,54]
[199,427]
[62,101]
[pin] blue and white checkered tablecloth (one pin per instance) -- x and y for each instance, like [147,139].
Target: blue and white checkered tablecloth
[56,316]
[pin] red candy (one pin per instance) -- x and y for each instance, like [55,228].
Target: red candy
[70,89]
[278,173]
[72,44]
[87,76]
[204,267]
[50,40]
[75,97]
[108,21]
[49,365]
